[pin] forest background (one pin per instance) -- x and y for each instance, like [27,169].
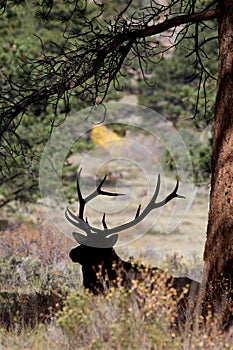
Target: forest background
[172,91]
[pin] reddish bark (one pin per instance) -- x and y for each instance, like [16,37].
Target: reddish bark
[218,255]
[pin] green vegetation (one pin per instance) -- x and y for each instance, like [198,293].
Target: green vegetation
[111,323]
[21,38]
[44,306]
[43,302]
[171,91]
[120,320]
[33,265]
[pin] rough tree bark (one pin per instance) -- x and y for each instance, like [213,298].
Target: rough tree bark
[218,255]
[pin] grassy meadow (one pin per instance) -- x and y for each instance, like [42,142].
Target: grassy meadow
[43,304]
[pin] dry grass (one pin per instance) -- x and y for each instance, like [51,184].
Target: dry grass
[32,240]
[139,319]
[116,321]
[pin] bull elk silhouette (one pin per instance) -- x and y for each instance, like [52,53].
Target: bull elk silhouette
[101,266]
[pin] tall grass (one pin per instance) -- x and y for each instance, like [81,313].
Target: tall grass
[141,318]
[115,321]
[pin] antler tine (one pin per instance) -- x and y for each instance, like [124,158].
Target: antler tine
[82,201]
[102,182]
[138,211]
[141,215]
[156,193]
[95,193]
[104,222]
[76,221]
[172,195]
[99,191]
[85,226]
[79,221]
[73,222]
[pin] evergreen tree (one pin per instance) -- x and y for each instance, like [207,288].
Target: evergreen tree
[91,59]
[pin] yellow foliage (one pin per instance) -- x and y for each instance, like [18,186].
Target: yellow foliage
[101,135]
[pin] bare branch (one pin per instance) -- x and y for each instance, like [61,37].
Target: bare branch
[78,67]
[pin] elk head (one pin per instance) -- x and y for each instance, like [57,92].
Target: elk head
[95,252]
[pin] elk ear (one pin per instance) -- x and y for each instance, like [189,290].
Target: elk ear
[80,238]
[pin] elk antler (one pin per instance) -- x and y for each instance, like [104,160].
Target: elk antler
[99,237]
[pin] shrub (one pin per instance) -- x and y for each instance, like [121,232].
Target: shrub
[139,318]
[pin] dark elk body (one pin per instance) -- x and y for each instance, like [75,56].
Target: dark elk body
[103,268]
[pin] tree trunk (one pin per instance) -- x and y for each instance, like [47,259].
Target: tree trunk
[218,255]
